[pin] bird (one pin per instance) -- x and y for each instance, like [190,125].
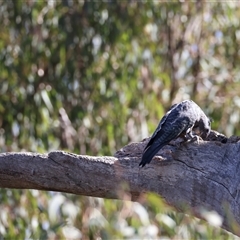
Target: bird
[184,119]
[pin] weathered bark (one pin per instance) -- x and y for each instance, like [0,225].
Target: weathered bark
[205,174]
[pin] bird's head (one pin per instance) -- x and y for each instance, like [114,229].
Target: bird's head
[205,127]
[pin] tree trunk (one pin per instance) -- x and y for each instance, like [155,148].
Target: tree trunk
[202,174]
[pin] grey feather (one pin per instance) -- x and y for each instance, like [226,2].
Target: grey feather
[181,119]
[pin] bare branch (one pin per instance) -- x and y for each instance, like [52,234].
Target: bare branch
[204,174]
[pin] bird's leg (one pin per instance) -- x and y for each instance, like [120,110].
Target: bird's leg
[192,137]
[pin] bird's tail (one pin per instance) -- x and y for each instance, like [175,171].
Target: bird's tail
[150,152]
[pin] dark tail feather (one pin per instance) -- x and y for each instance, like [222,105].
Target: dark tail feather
[150,152]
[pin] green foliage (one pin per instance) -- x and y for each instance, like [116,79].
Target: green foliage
[91,76]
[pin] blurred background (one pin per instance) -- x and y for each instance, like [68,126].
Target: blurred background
[90,77]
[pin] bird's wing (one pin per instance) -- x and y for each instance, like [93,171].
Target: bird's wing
[163,120]
[168,131]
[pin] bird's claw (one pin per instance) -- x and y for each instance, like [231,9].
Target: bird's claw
[195,138]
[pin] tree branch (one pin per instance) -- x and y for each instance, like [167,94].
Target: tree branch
[204,174]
